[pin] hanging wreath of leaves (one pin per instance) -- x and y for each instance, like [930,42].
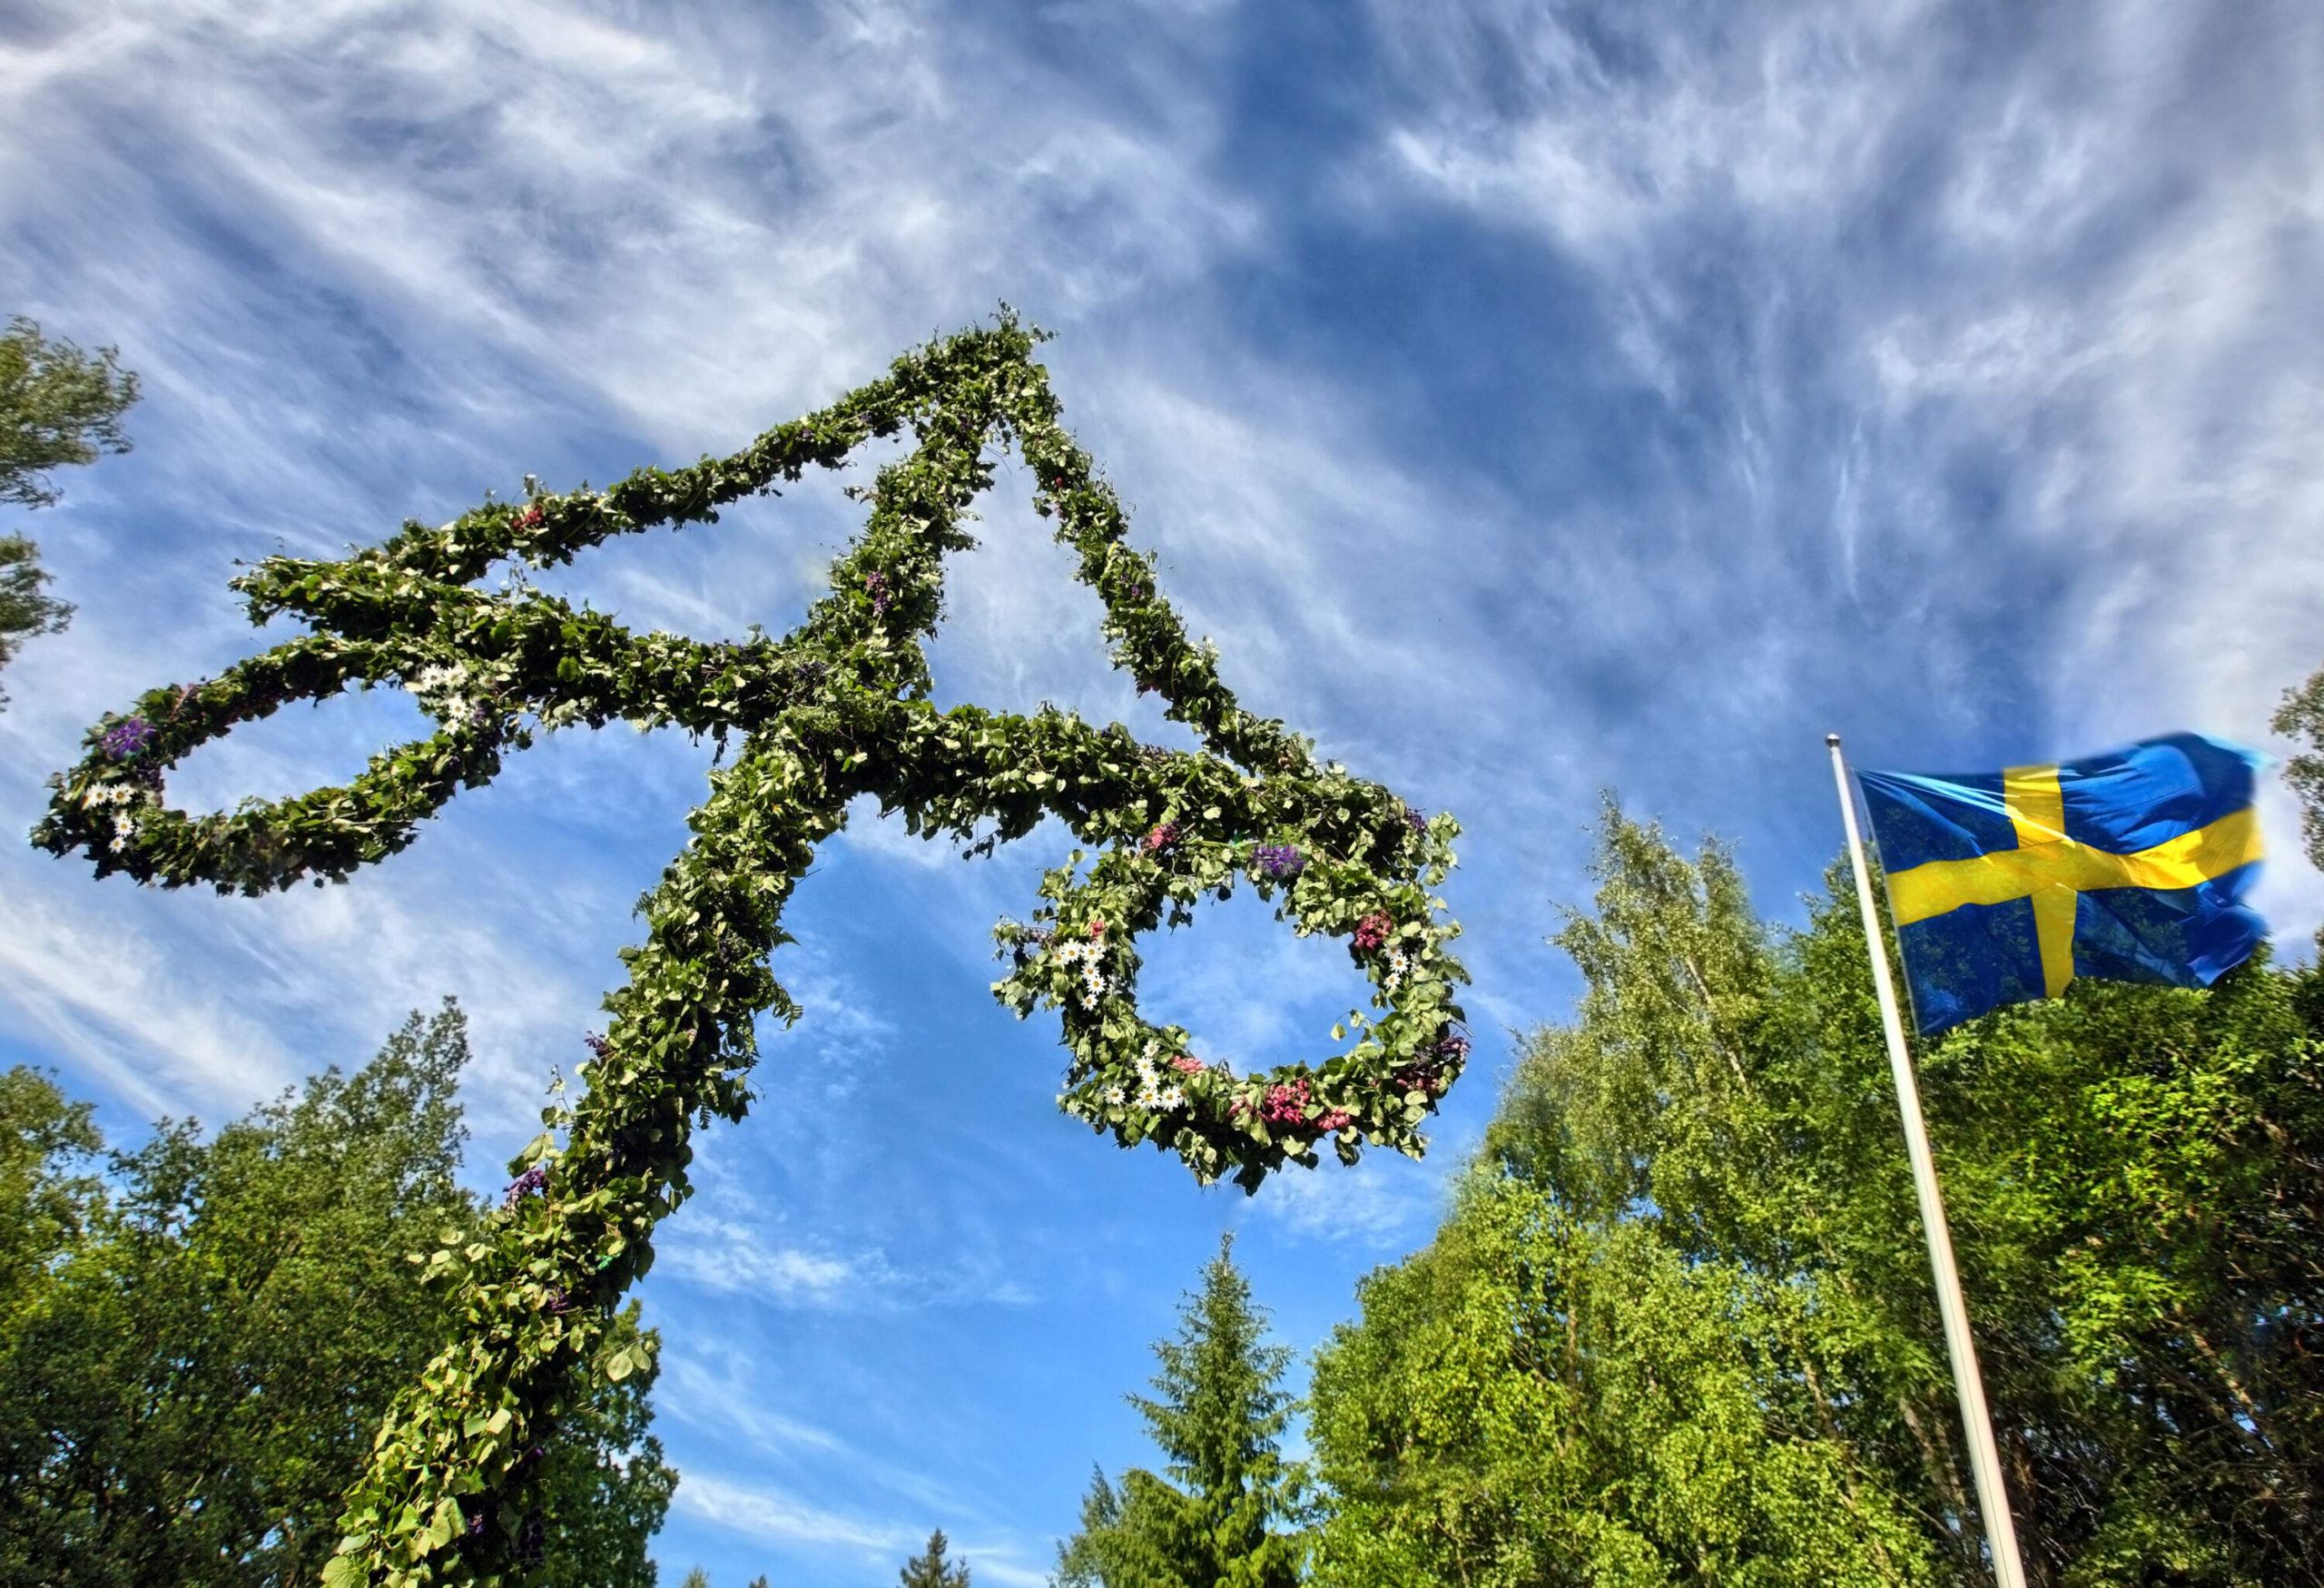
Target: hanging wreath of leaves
[835,709]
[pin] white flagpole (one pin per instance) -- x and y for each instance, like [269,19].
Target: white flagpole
[1985,1456]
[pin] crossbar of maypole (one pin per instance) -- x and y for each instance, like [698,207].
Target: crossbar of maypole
[1960,1348]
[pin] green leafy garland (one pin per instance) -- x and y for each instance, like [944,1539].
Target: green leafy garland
[835,709]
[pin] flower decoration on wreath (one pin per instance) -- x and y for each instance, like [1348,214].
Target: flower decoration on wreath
[836,709]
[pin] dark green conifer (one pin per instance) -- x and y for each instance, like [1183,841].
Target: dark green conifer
[930,1569]
[1223,1512]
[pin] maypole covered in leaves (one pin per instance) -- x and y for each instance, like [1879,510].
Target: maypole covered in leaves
[835,709]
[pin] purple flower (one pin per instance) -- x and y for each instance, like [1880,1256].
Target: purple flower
[1416,821]
[1421,1077]
[126,738]
[1452,1045]
[598,1047]
[1278,861]
[533,1179]
[875,584]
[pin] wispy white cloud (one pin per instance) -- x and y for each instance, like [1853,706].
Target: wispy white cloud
[1387,1203]
[726,1257]
[159,1041]
[783,1517]
[708,1384]
[1534,398]
[2041,311]
[771,1513]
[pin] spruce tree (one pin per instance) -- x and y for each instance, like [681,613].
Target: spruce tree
[1089,1559]
[930,1570]
[1223,1513]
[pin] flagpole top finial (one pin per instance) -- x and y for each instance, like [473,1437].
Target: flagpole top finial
[1833,740]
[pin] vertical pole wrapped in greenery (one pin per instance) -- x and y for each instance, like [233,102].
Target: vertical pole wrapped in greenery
[835,709]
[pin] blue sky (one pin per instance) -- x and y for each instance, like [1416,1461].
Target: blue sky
[1528,400]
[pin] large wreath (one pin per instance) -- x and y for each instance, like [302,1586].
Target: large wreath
[834,709]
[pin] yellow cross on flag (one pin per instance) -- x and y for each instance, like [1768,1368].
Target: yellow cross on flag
[2007,886]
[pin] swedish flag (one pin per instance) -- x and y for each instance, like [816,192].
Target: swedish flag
[2132,866]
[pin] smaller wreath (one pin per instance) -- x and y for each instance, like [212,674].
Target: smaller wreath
[1140,1082]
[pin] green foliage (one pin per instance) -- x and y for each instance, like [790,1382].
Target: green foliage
[696,1578]
[1540,1400]
[1218,1417]
[2301,717]
[48,1194]
[194,1356]
[930,1569]
[25,607]
[1681,1327]
[58,406]
[836,709]
[1092,1557]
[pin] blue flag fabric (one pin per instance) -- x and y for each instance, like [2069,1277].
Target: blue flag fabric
[2132,866]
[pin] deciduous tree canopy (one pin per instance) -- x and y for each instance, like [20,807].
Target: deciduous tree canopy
[1680,1326]
[195,1343]
[58,406]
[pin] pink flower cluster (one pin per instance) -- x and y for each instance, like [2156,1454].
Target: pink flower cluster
[1373,930]
[1164,836]
[1286,1102]
[529,518]
[1337,1118]
[1187,1065]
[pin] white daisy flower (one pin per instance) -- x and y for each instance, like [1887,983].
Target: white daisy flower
[1398,963]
